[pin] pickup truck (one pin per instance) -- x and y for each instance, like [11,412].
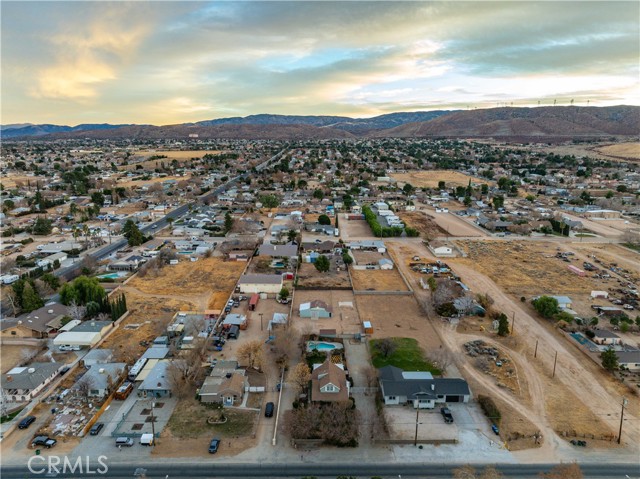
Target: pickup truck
[45,441]
[446,414]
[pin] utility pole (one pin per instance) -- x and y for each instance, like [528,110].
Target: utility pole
[555,361]
[535,353]
[415,439]
[513,323]
[624,403]
[153,423]
[261,328]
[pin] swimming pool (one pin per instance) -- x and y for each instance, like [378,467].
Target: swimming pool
[120,274]
[322,346]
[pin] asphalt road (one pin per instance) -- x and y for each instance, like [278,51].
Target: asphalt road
[435,471]
[107,250]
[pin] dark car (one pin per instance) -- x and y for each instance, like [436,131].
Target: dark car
[268,410]
[45,441]
[495,429]
[213,446]
[96,428]
[446,414]
[26,422]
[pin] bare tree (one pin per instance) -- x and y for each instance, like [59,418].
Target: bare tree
[251,353]
[465,304]
[630,237]
[84,386]
[12,298]
[43,288]
[300,375]
[442,358]
[75,311]
[446,291]
[386,346]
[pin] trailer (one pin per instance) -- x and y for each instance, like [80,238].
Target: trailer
[576,270]
[253,302]
[10,278]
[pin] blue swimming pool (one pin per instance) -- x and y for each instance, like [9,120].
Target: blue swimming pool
[322,346]
[120,274]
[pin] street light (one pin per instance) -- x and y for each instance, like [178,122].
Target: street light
[624,403]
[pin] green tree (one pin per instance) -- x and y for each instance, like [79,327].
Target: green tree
[609,359]
[408,189]
[484,189]
[322,263]
[433,284]
[269,201]
[441,185]
[291,235]
[228,222]
[324,220]
[42,226]
[546,306]
[82,290]
[346,257]
[503,325]
[284,293]
[51,280]
[318,194]
[97,198]
[31,300]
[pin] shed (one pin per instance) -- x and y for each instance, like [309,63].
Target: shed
[253,302]
[599,294]
[368,328]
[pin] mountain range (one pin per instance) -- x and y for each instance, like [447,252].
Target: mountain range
[558,122]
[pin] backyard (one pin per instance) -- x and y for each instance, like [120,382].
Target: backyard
[405,353]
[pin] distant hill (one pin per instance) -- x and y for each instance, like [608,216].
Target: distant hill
[526,122]
[15,131]
[239,132]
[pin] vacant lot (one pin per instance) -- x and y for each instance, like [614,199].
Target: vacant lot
[148,319]
[393,316]
[310,277]
[11,356]
[431,178]
[351,229]
[377,280]
[621,150]
[425,224]
[127,183]
[188,434]
[189,279]
[403,353]
[524,268]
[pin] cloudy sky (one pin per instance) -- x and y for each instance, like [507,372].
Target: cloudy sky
[173,62]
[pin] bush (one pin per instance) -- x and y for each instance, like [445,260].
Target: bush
[490,409]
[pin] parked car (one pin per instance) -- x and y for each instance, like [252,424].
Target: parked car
[495,429]
[268,409]
[213,446]
[446,414]
[45,441]
[124,441]
[26,422]
[96,428]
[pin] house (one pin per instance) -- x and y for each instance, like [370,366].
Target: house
[225,385]
[420,389]
[97,356]
[64,246]
[606,337]
[233,319]
[39,323]
[51,259]
[564,302]
[130,263]
[368,245]
[329,383]
[315,309]
[279,250]
[385,263]
[21,384]
[440,249]
[323,247]
[629,359]
[85,334]
[157,382]
[101,378]
[599,294]
[260,283]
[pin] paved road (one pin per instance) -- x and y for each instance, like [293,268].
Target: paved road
[107,250]
[431,471]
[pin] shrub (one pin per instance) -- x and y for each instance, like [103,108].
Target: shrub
[490,409]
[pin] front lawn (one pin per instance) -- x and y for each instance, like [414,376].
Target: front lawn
[406,355]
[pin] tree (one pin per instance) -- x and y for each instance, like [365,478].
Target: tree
[300,375]
[503,325]
[42,226]
[97,198]
[284,293]
[84,386]
[322,263]
[76,311]
[408,189]
[318,194]
[564,471]
[324,220]
[433,284]
[386,347]
[228,222]
[135,238]
[251,353]
[51,280]
[441,185]
[31,300]
[269,201]
[82,290]
[609,359]
[13,299]
[546,306]
[291,235]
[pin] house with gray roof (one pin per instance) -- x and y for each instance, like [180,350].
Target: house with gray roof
[420,388]
[100,378]
[21,384]
[158,382]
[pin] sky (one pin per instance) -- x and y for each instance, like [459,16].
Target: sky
[174,62]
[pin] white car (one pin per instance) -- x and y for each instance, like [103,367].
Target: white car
[627,306]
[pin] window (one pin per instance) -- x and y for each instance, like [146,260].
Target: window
[392,398]
[13,333]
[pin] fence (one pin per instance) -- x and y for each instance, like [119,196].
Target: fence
[382,293]
[435,442]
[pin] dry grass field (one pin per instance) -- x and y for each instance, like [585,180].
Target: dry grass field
[524,268]
[11,355]
[189,279]
[10,180]
[425,224]
[134,183]
[621,150]
[309,277]
[430,178]
[377,280]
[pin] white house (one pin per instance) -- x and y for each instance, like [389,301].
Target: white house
[260,283]
[21,384]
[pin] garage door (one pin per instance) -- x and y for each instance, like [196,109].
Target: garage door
[453,399]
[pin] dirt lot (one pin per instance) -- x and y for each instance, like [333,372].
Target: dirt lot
[352,229]
[11,356]
[430,179]
[524,268]
[377,280]
[453,225]
[422,222]
[152,314]
[125,183]
[187,279]
[188,434]
[382,311]
[345,319]
[309,277]
[621,150]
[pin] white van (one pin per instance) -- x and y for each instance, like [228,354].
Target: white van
[146,439]
[68,347]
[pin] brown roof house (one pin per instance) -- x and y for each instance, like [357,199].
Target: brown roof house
[39,323]
[225,385]
[329,383]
